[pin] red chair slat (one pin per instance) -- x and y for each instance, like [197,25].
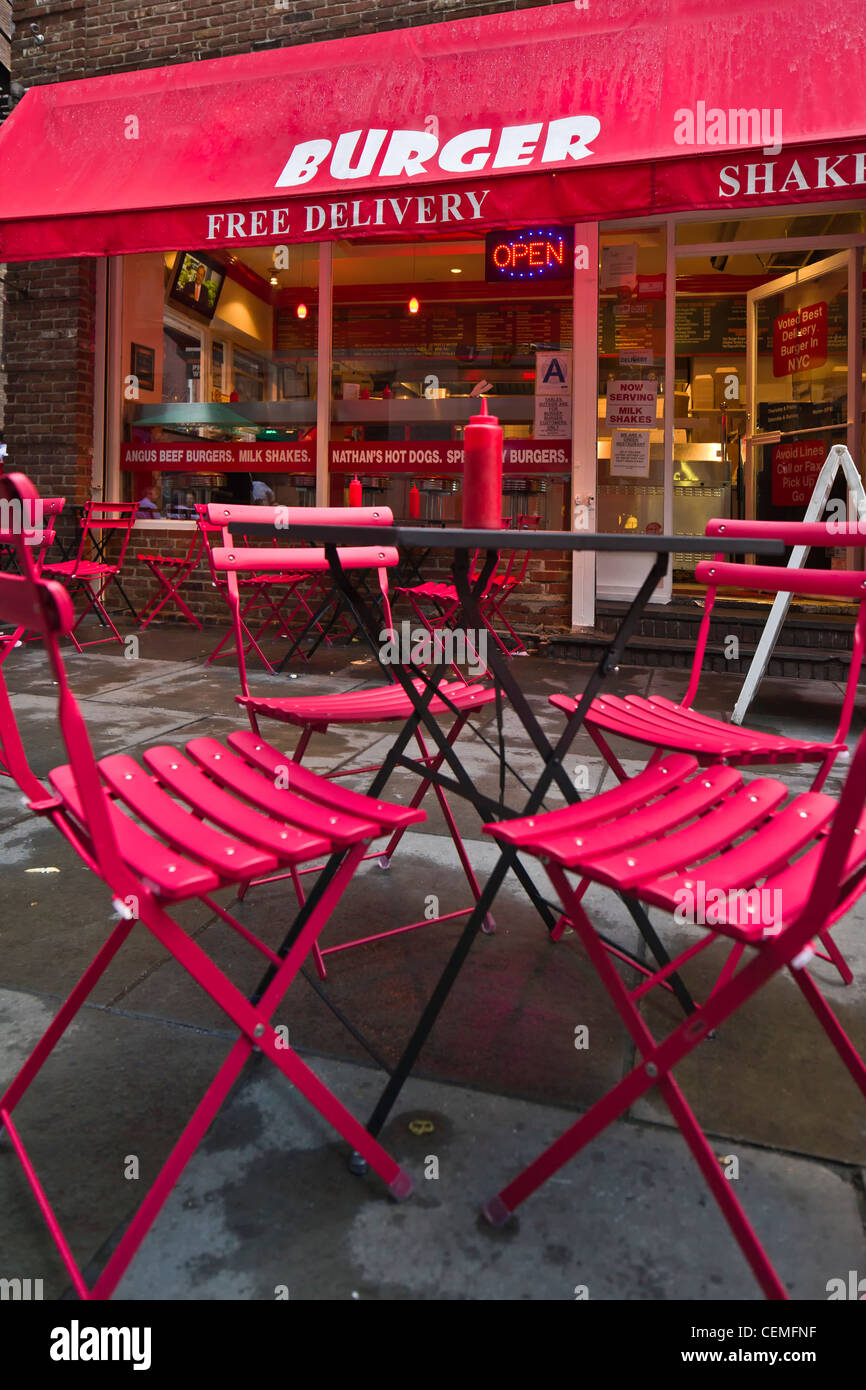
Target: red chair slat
[328,794]
[733,815]
[281,518]
[190,781]
[383,703]
[764,853]
[845,584]
[583,815]
[234,772]
[174,876]
[648,821]
[749,739]
[229,856]
[267,560]
[832,534]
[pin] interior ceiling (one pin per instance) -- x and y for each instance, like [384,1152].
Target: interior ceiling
[826,222]
[362,263]
[373,265]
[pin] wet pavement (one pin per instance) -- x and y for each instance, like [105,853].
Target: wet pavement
[267,1203]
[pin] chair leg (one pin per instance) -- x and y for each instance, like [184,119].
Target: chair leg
[606,751]
[421,791]
[156,604]
[61,1021]
[619,1099]
[738,1223]
[256,1032]
[836,957]
[832,1027]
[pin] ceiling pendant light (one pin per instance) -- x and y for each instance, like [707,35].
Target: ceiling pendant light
[414,305]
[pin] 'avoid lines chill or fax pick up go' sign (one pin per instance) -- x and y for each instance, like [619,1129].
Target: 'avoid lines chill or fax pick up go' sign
[631,405]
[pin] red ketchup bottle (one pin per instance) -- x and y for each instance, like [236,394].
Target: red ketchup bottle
[414,503]
[356,492]
[482,472]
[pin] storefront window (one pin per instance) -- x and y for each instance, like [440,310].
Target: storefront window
[211,401]
[775,226]
[418,336]
[631,380]
[783,308]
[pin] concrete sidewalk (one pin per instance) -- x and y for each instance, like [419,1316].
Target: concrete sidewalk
[267,1203]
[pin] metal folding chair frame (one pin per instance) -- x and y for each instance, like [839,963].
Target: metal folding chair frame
[217,815]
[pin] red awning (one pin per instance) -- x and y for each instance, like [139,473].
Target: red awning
[634,105]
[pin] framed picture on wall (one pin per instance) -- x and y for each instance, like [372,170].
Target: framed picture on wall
[141,365]
[293,381]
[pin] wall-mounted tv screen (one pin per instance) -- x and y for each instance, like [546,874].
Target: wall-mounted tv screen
[196,283]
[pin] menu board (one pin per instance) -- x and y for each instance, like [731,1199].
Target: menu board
[787,416]
[635,325]
[704,325]
[491,332]
[711,325]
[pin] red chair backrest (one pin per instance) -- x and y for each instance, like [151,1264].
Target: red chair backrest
[44,607]
[115,517]
[840,584]
[849,585]
[833,534]
[230,560]
[36,521]
[226,514]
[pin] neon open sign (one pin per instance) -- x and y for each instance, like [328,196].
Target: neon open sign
[532,253]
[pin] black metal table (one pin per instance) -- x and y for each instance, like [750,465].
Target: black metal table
[457,780]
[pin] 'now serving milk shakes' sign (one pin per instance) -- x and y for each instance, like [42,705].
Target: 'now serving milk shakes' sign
[631,405]
[631,414]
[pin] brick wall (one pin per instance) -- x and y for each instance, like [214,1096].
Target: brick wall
[86,38]
[49,357]
[50,306]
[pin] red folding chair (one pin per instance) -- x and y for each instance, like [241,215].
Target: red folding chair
[317,713]
[183,826]
[264,594]
[103,522]
[672,837]
[504,585]
[40,542]
[666,725]
[445,603]
[171,572]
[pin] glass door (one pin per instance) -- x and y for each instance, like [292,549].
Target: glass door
[801,394]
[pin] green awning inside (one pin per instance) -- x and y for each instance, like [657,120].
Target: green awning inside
[205,413]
